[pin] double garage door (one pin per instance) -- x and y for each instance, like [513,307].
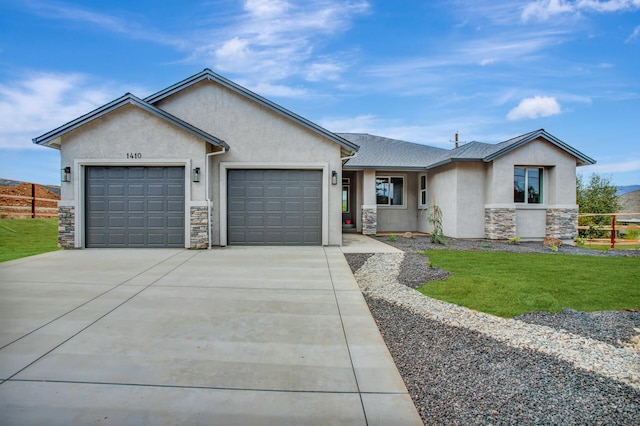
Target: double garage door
[134,207]
[144,207]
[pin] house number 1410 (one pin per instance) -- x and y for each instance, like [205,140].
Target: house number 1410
[134,155]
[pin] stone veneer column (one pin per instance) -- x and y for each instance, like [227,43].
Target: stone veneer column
[562,223]
[499,223]
[66,227]
[199,231]
[369,220]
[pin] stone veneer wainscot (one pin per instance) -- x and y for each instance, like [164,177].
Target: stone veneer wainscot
[499,223]
[369,220]
[199,231]
[562,223]
[66,227]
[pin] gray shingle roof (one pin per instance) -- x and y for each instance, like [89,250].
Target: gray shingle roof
[380,152]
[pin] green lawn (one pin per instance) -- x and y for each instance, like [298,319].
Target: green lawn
[26,237]
[509,284]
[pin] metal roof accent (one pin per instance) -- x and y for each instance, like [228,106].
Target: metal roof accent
[51,139]
[385,153]
[207,74]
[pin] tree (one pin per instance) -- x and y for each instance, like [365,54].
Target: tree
[597,196]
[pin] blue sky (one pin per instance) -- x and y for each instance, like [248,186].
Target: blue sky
[412,70]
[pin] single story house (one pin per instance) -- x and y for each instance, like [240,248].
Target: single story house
[207,162]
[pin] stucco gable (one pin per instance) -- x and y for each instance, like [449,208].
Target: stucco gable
[52,138]
[347,147]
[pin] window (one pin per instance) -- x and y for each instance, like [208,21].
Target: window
[527,185]
[346,184]
[389,191]
[422,195]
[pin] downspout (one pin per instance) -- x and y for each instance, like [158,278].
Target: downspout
[353,155]
[206,189]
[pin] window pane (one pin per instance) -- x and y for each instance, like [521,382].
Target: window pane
[423,197]
[423,182]
[382,191]
[518,185]
[345,199]
[396,191]
[534,181]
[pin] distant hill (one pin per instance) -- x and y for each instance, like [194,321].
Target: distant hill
[8,182]
[626,189]
[630,203]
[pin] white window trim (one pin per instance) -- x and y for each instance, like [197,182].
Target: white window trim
[425,190]
[404,191]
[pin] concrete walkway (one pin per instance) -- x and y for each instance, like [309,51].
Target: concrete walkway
[234,336]
[358,243]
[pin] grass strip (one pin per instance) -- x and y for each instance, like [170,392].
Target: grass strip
[510,284]
[26,237]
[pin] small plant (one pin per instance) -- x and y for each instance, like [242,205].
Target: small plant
[514,240]
[392,238]
[579,241]
[409,245]
[430,264]
[553,247]
[486,245]
[434,216]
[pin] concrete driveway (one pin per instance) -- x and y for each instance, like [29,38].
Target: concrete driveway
[232,336]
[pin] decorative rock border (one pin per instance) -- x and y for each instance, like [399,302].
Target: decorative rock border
[378,278]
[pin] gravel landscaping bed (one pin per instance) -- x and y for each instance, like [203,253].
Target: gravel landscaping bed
[465,367]
[459,377]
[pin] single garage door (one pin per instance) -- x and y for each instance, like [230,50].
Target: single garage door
[274,207]
[134,207]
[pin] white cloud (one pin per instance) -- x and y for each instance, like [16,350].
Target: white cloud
[545,9]
[41,102]
[538,106]
[616,167]
[634,34]
[136,29]
[275,40]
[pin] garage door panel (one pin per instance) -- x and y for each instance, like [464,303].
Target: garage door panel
[155,190]
[293,206]
[255,206]
[270,207]
[274,206]
[134,217]
[116,206]
[175,190]
[311,221]
[175,206]
[311,206]
[134,190]
[155,206]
